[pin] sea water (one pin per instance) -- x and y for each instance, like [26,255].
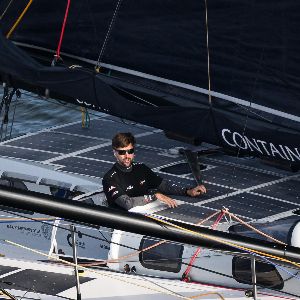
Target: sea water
[31,113]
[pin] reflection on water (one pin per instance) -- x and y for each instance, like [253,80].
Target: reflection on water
[33,113]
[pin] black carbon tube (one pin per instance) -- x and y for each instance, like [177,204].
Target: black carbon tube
[136,223]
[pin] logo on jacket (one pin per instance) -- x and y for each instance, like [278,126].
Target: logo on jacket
[129,188]
[142,182]
[111,188]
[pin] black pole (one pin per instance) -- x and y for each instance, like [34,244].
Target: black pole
[74,248]
[136,223]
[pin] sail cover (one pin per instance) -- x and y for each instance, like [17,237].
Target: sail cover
[160,50]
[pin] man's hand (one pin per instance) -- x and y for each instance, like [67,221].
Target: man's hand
[167,200]
[196,191]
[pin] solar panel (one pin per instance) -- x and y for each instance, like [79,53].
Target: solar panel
[222,176]
[25,153]
[288,190]
[84,166]
[6,269]
[187,213]
[55,142]
[251,206]
[237,177]
[46,282]
[103,153]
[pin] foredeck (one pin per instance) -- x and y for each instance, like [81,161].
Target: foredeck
[245,186]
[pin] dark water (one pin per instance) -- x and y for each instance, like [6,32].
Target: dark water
[32,113]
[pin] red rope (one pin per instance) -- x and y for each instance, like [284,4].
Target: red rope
[188,269]
[62,30]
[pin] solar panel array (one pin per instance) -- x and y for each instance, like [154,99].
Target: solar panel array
[246,187]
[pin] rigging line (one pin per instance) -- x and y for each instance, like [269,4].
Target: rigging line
[17,220]
[111,276]
[253,228]
[66,229]
[163,259]
[132,248]
[129,255]
[41,220]
[219,240]
[7,7]
[91,16]
[207,47]
[122,245]
[147,248]
[19,19]
[30,289]
[248,108]
[208,294]
[101,273]
[208,270]
[192,297]
[281,267]
[126,122]
[135,96]
[247,116]
[57,55]
[7,294]
[192,260]
[158,285]
[108,34]
[57,102]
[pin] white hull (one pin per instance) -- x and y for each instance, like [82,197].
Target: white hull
[105,284]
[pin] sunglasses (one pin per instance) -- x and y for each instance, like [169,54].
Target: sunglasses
[123,152]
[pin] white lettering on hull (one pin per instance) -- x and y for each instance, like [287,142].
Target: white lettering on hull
[237,140]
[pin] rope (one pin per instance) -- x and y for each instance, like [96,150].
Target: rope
[14,220]
[207,47]
[197,267]
[85,118]
[7,294]
[247,117]
[82,109]
[57,55]
[19,19]
[253,228]
[142,250]
[226,243]
[103,273]
[207,294]
[126,256]
[7,7]
[190,265]
[107,35]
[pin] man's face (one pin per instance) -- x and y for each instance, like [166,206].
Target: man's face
[125,155]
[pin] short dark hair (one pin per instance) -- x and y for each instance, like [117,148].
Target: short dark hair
[122,139]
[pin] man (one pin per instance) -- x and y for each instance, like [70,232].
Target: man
[128,184]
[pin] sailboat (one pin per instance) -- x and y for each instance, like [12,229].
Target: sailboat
[200,72]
